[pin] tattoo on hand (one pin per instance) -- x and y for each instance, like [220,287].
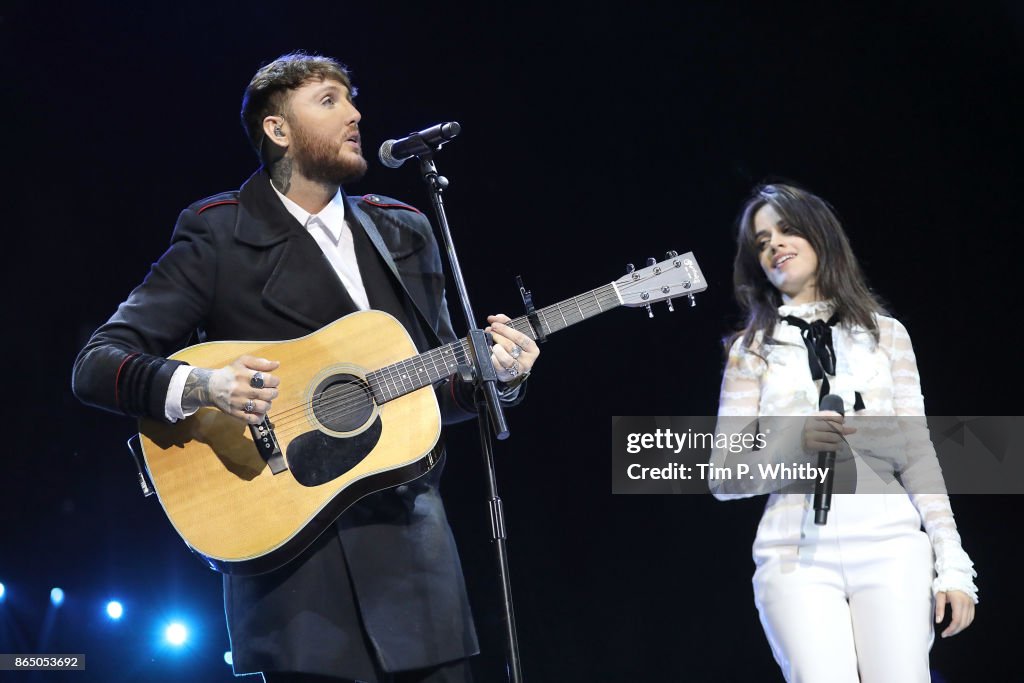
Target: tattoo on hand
[281,175]
[197,390]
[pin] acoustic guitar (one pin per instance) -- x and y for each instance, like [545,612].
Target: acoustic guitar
[356,413]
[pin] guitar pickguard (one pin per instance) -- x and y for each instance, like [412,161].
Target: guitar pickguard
[316,458]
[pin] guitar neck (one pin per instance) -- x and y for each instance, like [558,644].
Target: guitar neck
[571,311]
[399,379]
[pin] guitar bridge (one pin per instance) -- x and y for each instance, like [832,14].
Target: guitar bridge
[266,443]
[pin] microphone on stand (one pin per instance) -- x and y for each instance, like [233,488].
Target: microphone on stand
[393,153]
[826,459]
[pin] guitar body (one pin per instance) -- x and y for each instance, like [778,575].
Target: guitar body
[355,413]
[339,445]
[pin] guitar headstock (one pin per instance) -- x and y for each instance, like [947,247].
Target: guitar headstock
[678,275]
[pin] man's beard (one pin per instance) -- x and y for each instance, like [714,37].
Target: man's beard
[318,159]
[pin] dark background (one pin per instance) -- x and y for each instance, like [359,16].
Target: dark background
[592,136]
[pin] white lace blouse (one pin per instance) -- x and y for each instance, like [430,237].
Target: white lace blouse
[886,376]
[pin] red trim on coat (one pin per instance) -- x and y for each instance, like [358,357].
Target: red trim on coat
[218,203]
[375,200]
[117,378]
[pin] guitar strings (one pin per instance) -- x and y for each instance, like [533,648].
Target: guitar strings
[353,399]
[393,377]
[345,402]
[350,400]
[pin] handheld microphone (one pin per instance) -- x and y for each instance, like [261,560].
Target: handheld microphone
[826,459]
[393,153]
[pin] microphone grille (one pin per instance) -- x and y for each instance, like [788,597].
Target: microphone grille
[833,403]
[384,154]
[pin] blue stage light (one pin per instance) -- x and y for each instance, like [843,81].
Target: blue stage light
[114,609]
[3,592]
[228,659]
[176,634]
[57,597]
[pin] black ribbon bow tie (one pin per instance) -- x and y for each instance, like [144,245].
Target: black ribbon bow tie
[821,354]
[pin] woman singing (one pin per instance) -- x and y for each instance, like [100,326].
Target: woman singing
[852,599]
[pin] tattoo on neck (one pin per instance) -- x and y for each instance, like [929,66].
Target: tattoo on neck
[281,175]
[197,390]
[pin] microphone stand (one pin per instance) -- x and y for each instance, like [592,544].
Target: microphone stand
[489,411]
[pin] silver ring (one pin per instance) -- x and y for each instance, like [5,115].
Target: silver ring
[249,406]
[516,350]
[257,381]
[512,371]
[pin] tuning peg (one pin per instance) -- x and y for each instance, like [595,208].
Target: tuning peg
[645,296]
[693,302]
[652,262]
[671,254]
[671,308]
[630,267]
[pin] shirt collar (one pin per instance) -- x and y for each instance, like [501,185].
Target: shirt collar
[331,218]
[813,310]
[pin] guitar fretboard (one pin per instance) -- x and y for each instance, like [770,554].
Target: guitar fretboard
[399,379]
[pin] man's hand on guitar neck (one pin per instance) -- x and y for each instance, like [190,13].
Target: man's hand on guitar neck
[234,389]
[513,353]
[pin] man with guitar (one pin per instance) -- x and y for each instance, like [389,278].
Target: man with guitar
[379,594]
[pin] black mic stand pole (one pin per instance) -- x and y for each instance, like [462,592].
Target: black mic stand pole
[485,380]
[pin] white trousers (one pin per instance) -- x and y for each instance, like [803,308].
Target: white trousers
[851,601]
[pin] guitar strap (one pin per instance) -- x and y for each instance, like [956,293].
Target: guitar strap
[385,290]
[384,255]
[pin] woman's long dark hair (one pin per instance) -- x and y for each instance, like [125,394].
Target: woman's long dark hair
[839,278]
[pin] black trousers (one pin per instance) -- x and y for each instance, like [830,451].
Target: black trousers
[453,672]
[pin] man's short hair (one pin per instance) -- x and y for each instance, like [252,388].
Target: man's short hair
[268,90]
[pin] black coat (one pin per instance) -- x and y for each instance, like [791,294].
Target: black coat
[241,267]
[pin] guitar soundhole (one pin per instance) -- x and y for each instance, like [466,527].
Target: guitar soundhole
[342,403]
